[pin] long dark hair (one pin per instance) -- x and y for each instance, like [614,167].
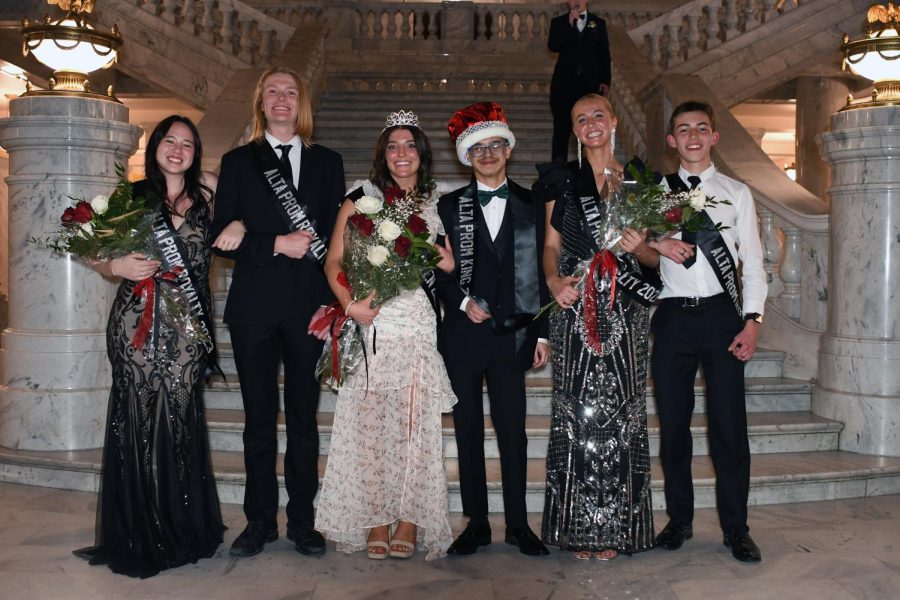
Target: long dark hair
[199,193]
[381,175]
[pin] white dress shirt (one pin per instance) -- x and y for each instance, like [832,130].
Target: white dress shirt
[581,22]
[293,154]
[493,211]
[741,238]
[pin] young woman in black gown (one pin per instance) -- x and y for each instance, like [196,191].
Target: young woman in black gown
[158,507]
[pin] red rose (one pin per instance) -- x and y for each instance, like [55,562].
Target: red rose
[392,194]
[417,224]
[363,223]
[673,215]
[80,213]
[402,245]
[342,279]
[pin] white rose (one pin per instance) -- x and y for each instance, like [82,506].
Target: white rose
[369,205]
[87,229]
[697,199]
[389,231]
[376,255]
[100,203]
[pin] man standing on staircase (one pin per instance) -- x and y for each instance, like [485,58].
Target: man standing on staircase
[489,331]
[706,318]
[582,67]
[287,193]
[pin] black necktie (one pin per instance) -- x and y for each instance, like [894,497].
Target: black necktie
[690,237]
[286,161]
[485,197]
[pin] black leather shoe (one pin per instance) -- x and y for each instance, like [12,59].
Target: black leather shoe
[306,540]
[674,535]
[528,543]
[476,533]
[743,547]
[253,538]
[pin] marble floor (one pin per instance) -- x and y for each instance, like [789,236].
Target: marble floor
[837,549]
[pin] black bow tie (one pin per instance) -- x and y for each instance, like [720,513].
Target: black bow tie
[485,197]
[582,16]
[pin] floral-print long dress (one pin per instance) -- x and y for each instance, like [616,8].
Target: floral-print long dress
[386,459]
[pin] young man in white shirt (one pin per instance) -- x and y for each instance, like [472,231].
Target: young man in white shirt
[706,318]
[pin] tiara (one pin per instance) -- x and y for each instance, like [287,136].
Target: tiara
[402,117]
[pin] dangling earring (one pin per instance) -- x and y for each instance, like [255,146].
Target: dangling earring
[612,142]
[579,151]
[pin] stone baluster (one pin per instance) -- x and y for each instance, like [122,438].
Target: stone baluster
[168,11]
[154,7]
[226,31]
[207,23]
[378,28]
[509,29]
[269,46]
[693,36]
[769,11]
[772,249]
[245,41]
[790,272]
[712,26]
[751,20]
[731,20]
[673,45]
[189,15]
[419,32]
[392,29]
[405,30]
[653,53]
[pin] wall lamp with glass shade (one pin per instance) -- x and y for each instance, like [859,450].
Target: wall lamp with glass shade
[876,56]
[72,47]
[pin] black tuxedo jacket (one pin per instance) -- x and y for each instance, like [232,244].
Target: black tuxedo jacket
[265,287]
[586,52]
[461,341]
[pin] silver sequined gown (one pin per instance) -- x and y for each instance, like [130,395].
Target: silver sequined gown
[158,507]
[598,460]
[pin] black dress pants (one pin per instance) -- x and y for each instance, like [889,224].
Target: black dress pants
[562,99]
[506,388]
[257,352]
[683,340]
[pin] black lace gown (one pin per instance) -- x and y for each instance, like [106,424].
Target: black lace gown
[598,459]
[158,507]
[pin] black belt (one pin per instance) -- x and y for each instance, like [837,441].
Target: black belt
[689,302]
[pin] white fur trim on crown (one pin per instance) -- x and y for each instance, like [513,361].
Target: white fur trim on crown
[478,132]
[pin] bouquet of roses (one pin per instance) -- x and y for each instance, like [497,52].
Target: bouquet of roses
[113,226]
[386,249]
[642,203]
[106,227]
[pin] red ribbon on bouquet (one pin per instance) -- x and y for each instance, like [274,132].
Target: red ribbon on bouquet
[333,318]
[146,288]
[606,263]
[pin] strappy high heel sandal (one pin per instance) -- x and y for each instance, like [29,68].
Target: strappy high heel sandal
[405,549]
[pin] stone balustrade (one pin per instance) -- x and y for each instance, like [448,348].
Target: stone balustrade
[232,26]
[700,25]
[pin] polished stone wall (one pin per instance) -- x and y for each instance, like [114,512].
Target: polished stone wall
[54,375]
[859,357]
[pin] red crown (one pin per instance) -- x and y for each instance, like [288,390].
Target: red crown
[472,115]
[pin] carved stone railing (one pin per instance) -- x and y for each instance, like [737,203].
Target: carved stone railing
[232,26]
[701,25]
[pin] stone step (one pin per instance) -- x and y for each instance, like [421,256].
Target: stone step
[765,363]
[390,100]
[775,478]
[768,433]
[763,394]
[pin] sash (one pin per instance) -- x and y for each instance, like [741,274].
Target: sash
[710,242]
[464,239]
[174,258]
[294,214]
[643,285]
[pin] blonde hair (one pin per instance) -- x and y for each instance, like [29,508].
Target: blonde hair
[304,107]
[595,96]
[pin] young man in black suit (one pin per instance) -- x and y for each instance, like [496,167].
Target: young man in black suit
[287,192]
[497,235]
[582,67]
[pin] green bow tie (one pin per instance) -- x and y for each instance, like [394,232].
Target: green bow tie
[500,192]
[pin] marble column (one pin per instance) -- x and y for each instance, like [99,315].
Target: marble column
[859,355]
[817,99]
[54,375]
